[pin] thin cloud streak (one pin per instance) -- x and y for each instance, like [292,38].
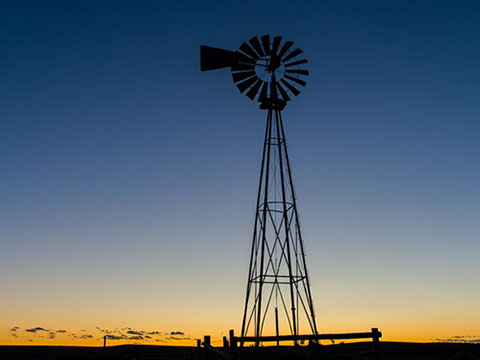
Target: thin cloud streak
[126,334]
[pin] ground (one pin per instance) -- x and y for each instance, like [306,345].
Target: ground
[355,351]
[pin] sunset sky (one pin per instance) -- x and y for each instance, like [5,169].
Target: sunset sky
[128,177]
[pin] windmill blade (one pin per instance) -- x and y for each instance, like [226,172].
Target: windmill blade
[298,81]
[274,58]
[294,53]
[254,89]
[299,62]
[212,58]
[283,92]
[290,87]
[249,51]
[300,72]
[266,44]
[256,45]
[263,93]
[286,46]
[242,58]
[243,62]
[247,83]
[276,44]
[239,76]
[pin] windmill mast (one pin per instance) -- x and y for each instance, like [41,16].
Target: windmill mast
[278,277]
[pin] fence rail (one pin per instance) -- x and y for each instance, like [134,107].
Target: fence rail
[347,336]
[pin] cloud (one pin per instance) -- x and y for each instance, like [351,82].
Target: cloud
[36,329]
[177,338]
[126,334]
[128,338]
[134,332]
[129,333]
[465,339]
[83,336]
[154,333]
[115,337]
[105,331]
[138,337]
[177,333]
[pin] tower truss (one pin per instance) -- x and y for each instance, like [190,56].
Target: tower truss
[278,297]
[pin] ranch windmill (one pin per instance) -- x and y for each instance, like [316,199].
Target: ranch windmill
[278,297]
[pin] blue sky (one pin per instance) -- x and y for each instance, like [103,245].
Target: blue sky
[123,164]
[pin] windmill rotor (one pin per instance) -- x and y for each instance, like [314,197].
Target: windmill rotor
[268,70]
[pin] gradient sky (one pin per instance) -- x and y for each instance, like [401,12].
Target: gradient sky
[128,177]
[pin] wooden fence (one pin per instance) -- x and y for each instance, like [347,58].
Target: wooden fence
[231,345]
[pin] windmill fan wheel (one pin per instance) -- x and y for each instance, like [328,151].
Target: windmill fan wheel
[267,70]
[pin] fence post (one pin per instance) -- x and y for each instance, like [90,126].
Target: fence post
[105,346]
[233,345]
[207,340]
[376,341]
[199,349]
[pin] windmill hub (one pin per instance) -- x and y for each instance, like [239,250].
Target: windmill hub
[267,72]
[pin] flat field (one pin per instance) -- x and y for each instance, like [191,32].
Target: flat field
[353,351]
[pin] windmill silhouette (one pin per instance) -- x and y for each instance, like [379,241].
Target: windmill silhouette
[278,296]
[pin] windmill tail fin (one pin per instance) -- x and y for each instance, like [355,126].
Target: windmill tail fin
[212,58]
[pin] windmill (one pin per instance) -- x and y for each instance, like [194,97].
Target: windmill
[278,296]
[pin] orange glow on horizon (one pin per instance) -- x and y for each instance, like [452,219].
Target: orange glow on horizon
[94,337]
